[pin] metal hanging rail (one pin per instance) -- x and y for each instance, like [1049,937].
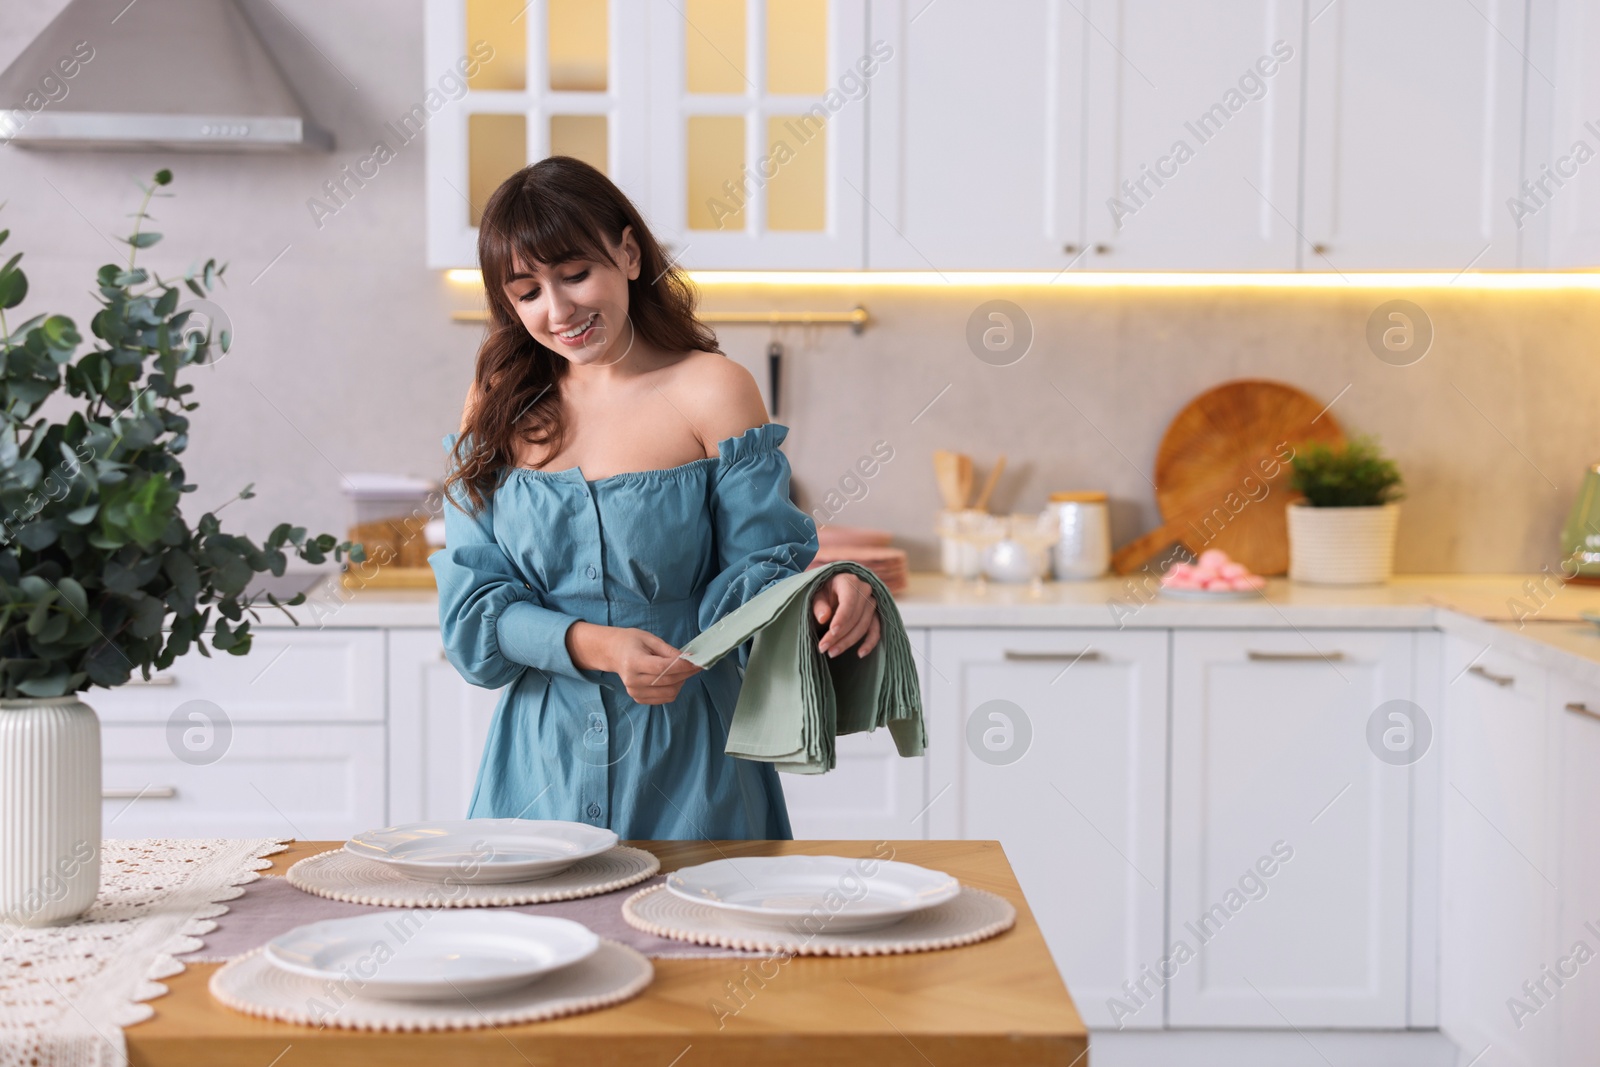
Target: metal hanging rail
[856,318]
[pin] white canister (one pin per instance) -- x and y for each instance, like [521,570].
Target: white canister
[49,809]
[1083,549]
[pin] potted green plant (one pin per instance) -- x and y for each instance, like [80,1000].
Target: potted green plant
[1343,532]
[102,576]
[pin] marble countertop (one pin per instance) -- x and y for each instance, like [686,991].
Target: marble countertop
[1532,615]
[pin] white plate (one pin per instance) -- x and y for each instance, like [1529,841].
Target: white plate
[432,954]
[835,894]
[482,851]
[1211,594]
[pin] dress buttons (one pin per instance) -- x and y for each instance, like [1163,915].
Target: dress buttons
[590,571]
[594,811]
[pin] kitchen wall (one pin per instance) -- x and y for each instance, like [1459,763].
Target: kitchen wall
[345,358]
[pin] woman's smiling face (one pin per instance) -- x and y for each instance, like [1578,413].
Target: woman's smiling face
[578,307]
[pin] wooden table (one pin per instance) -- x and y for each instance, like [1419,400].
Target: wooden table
[997,1002]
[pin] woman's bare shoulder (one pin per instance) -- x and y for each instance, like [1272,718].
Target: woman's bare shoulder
[717,395]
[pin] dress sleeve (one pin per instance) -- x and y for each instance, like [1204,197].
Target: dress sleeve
[761,536]
[492,621]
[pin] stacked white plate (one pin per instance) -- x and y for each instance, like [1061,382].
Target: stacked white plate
[781,891]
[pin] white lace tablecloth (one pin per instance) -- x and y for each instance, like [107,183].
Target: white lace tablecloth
[67,991]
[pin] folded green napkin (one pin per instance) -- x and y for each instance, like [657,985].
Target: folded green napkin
[795,700]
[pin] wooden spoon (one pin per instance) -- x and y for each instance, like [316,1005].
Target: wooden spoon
[947,469]
[982,503]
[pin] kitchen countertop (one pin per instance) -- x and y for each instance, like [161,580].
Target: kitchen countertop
[997,1002]
[1531,615]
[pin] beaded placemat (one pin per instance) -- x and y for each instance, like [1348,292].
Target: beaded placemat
[252,985]
[341,875]
[974,915]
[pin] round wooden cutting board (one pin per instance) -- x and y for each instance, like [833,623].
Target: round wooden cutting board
[1222,474]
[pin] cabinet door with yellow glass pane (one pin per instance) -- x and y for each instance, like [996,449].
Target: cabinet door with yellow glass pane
[758,132]
[519,81]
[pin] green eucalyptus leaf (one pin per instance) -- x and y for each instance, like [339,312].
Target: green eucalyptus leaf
[13,287]
[74,595]
[53,684]
[53,630]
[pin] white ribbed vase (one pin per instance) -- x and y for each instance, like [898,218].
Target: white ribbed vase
[1342,546]
[49,809]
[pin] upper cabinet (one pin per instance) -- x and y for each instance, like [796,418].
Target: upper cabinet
[1557,209]
[516,81]
[1413,131]
[1217,135]
[1192,133]
[758,131]
[976,138]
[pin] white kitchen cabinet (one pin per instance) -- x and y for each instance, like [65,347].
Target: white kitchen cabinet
[1192,134]
[289,739]
[1054,742]
[509,82]
[758,118]
[1577,999]
[438,723]
[1289,887]
[1499,857]
[312,782]
[302,674]
[976,136]
[1557,211]
[1413,134]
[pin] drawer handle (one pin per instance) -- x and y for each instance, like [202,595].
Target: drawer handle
[1293,657]
[160,679]
[1583,709]
[1086,656]
[1497,679]
[149,792]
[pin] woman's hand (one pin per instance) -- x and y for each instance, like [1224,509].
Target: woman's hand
[651,670]
[847,608]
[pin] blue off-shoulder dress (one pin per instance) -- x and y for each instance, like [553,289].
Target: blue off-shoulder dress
[669,551]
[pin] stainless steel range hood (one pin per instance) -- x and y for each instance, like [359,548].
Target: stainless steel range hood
[189,75]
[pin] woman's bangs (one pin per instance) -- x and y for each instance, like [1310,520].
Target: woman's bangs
[546,235]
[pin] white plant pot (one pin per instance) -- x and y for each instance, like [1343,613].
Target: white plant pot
[49,809]
[1342,546]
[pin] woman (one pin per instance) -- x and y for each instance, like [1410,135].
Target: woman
[617,488]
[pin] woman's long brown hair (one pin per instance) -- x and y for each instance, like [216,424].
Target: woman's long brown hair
[557,209]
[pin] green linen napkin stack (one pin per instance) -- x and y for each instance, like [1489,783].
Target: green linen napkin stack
[795,700]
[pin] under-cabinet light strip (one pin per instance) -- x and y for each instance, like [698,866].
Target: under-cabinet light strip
[1397,280]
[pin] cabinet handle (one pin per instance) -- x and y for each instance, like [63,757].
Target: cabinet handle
[1497,679]
[1086,656]
[160,679]
[1293,657]
[1583,709]
[1070,250]
[1319,249]
[1101,250]
[152,792]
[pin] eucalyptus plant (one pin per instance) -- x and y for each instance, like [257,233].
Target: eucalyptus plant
[101,574]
